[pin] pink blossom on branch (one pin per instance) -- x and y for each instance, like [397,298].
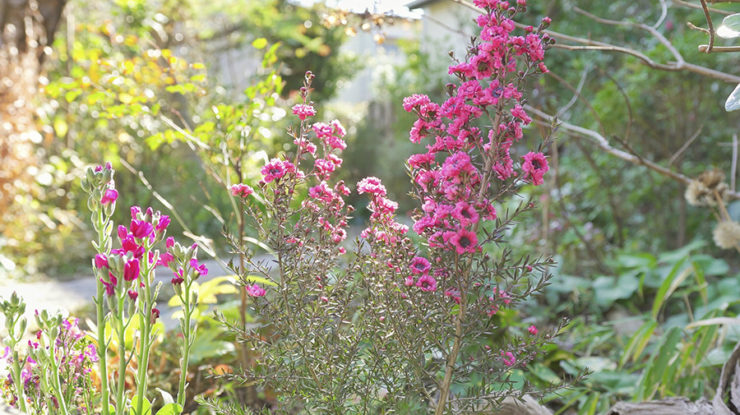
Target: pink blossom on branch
[303,111]
[535,166]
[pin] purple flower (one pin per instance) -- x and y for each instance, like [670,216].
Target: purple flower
[131,270]
[141,229]
[109,196]
[101,261]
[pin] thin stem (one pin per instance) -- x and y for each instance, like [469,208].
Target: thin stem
[187,343]
[121,386]
[146,316]
[100,320]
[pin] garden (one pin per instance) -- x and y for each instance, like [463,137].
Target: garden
[241,207]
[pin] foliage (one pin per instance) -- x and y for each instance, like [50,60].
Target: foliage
[307,42]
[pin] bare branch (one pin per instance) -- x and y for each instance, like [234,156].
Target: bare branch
[707,48]
[685,145]
[696,6]
[663,14]
[603,143]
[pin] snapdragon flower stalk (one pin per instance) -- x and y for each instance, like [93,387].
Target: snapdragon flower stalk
[100,186]
[126,285]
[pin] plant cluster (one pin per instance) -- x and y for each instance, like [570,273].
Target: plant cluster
[394,324]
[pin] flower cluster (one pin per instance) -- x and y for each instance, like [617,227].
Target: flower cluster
[453,189]
[58,368]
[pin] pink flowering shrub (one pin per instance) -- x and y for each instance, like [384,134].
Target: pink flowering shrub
[396,324]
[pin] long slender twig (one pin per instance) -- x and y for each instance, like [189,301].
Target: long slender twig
[696,6]
[733,170]
[603,143]
[685,145]
[710,24]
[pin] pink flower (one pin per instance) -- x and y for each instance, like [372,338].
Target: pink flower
[409,281]
[535,166]
[508,358]
[109,196]
[178,278]
[371,185]
[416,100]
[241,190]
[532,330]
[135,210]
[303,111]
[420,265]
[141,229]
[165,259]
[164,222]
[101,261]
[255,290]
[427,283]
[465,213]
[201,269]
[276,169]
[463,240]
[170,242]
[133,295]
[131,270]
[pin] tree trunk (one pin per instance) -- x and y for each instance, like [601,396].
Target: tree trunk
[26,32]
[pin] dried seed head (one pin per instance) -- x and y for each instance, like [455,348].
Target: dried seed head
[700,192]
[727,234]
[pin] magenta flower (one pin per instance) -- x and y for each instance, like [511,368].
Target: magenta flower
[110,285]
[535,166]
[201,269]
[135,210]
[165,259]
[155,315]
[141,229]
[178,278]
[133,295]
[255,290]
[532,330]
[241,190]
[170,242]
[303,111]
[109,196]
[420,265]
[164,222]
[463,240]
[101,261]
[508,358]
[131,270]
[427,283]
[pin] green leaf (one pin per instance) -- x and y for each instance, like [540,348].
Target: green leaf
[259,43]
[733,101]
[669,285]
[730,27]
[170,409]
[654,371]
[637,342]
[146,407]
